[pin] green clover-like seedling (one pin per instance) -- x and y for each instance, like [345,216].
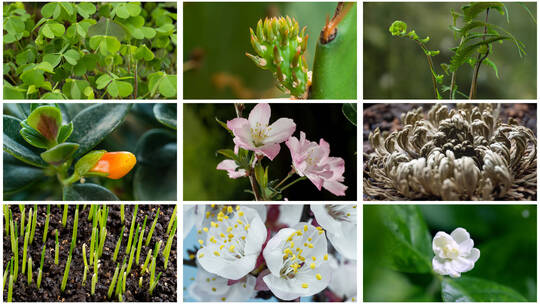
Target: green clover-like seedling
[280,47]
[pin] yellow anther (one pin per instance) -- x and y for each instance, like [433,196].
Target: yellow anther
[299,233]
[241,213]
[305,227]
[213,289]
[201,242]
[213,205]
[214,224]
[321,232]
[199,232]
[191,256]
[201,255]
[240,222]
[305,285]
[318,276]
[216,253]
[312,266]
[309,239]
[226,217]
[221,246]
[292,244]
[310,245]
[230,235]
[229,229]
[231,249]
[221,234]
[205,229]
[313,258]
[229,209]
[246,227]
[348,214]
[223,299]
[207,214]
[325,257]
[237,208]
[243,238]
[213,240]
[301,258]
[319,228]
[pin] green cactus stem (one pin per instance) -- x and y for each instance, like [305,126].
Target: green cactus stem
[334,68]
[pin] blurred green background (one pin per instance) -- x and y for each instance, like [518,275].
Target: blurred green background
[203,136]
[216,38]
[397,67]
[505,235]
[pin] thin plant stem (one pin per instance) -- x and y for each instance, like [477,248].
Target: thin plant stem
[56,247]
[479,59]
[301,178]
[113,281]
[118,243]
[34,223]
[141,237]
[133,219]
[152,228]
[47,219]
[66,274]
[64,215]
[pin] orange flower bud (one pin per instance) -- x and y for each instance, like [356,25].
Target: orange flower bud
[115,164]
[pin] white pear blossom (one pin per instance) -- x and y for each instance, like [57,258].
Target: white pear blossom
[343,282]
[233,242]
[454,253]
[340,224]
[298,262]
[193,215]
[212,288]
[290,214]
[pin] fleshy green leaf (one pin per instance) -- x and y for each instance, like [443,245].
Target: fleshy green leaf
[47,120]
[467,289]
[65,132]
[88,161]
[59,153]
[18,175]
[88,192]
[92,124]
[166,114]
[350,112]
[15,145]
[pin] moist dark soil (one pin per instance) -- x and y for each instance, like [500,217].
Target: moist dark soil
[387,116]
[52,276]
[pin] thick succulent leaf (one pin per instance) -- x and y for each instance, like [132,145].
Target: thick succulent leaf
[166,114]
[15,145]
[18,175]
[92,124]
[88,192]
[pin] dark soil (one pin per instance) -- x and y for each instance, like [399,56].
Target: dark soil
[387,116]
[165,291]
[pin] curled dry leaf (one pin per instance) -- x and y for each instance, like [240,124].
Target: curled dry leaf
[466,153]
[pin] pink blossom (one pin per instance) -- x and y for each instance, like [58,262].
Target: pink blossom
[254,133]
[230,166]
[313,161]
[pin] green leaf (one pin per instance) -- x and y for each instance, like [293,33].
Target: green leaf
[34,138]
[148,32]
[88,161]
[15,145]
[350,112]
[107,27]
[103,81]
[144,52]
[32,76]
[11,92]
[165,113]
[122,11]
[155,177]
[18,175]
[119,88]
[59,154]
[53,59]
[65,132]
[72,56]
[462,54]
[105,44]
[94,123]
[86,9]
[467,289]
[47,120]
[471,10]
[52,29]
[492,65]
[407,239]
[88,192]
[167,86]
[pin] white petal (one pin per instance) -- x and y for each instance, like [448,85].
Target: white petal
[466,246]
[290,214]
[280,288]
[460,235]
[273,252]
[474,255]
[230,269]
[343,282]
[256,234]
[280,131]
[345,244]
[325,220]
[441,240]
[260,114]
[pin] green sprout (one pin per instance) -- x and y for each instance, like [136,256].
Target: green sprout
[168,246]
[40,272]
[93,244]
[85,264]
[25,248]
[141,237]
[94,283]
[130,239]
[75,226]
[146,261]
[64,216]
[14,248]
[154,284]
[157,248]
[91,212]
[173,218]
[113,281]
[122,217]
[46,229]
[34,222]
[6,219]
[10,289]
[66,273]
[29,270]
[132,251]
[102,237]
[56,247]
[6,272]
[152,229]
[118,243]
[22,220]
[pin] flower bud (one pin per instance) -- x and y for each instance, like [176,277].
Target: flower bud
[115,164]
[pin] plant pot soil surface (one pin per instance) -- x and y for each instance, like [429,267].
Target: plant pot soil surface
[52,275]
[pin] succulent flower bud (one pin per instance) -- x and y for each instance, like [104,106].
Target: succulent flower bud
[115,164]
[280,47]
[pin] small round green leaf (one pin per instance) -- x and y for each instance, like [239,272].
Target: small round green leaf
[167,86]
[47,120]
[72,56]
[59,153]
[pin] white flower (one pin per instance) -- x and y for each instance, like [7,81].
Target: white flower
[343,282]
[193,215]
[339,221]
[212,288]
[454,253]
[298,262]
[290,214]
[233,242]
[231,167]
